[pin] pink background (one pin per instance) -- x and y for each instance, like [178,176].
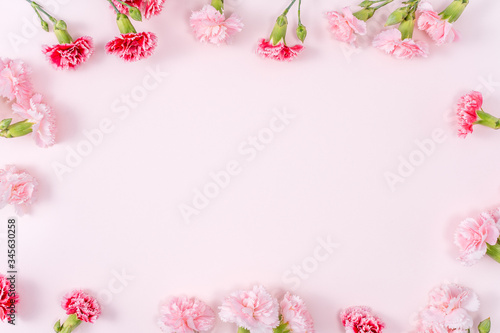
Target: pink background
[357,114]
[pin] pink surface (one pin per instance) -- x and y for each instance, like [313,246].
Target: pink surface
[314,177]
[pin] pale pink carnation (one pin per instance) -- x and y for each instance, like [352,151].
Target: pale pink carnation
[280,51]
[15,83]
[209,25]
[345,26]
[449,306]
[70,56]
[133,46]
[441,31]
[466,112]
[43,119]
[85,307]
[359,319]
[186,315]
[294,313]
[17,188]
[473,235]
[6,298]
[390,42]
[255,310]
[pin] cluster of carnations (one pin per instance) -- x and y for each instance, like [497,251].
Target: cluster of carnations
[476,237]
[470,112]
[398,39]
[256,311]
[448,311]
[130,45]
[32,115]
[17,188]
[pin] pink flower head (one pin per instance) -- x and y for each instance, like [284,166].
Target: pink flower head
[43,119]
[441,31]
[294,313]
[359,319]
[390,42]
[133,46]
[15,83]
[449,307]
[17,188]
[466,112]
[472,236]
[186,315]
[345,26]
[153,8]
[255,310]
[7,299]
[279,51]
[209,25]
[124,9]
[85,307]
[70,56]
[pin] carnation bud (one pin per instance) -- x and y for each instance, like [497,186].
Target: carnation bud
[364,14]
[485,326]
[45,25]
[454,10]
[397,16]
[124,24]
[5,123]
[135,13]
[219,5]
[279,31]
[406,27]
[301,32]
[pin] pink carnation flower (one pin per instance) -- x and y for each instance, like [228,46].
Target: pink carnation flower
[133,46]
[153,8]
[359,319]
[390,42]
[472,236]
[209,25]
[17,188]
[186,315]
[294,313]
[6,298]
[15,84]
[449,307]
[279,51]
[255,310]
[85,307]
[441,31]
[43,119]
[124,9]
[345,26]
[466,112]
[70,56]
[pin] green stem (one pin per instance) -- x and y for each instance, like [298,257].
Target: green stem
[487,119]
[300,3]
[114,6]
[386,2]
[37,8]
[288,8]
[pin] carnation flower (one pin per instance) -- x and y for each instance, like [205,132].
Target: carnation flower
[15,84]
[255,310]
[6,298]
[295,316]
[124,9]
[17,188]
[85,307]
[210,25]
[133,46]
[42,118]
[186,315]
[345,26]
[279,51]
[70,56]
[449,307]
[359,319]
[467,108]
[149,7]
[153,8]
[390,42]
[441,31]
[474,235]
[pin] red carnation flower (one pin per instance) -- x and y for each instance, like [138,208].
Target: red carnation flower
[85,307]
[6,299]
[72,55]
[279,51]
[133,46]
[153,8]
[124,9]
[359,319]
